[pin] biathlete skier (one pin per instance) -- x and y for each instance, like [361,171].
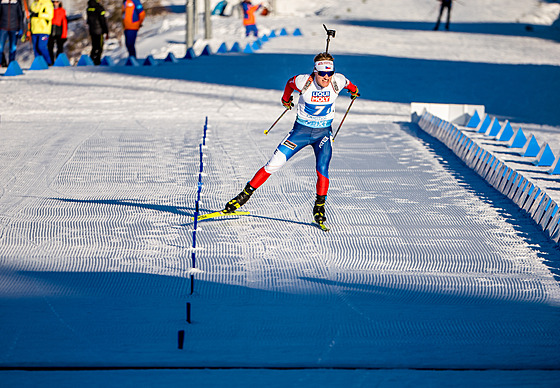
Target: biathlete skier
[315,113]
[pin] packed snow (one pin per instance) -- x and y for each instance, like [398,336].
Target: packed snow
[428,277]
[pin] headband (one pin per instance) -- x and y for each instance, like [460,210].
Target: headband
[324,66]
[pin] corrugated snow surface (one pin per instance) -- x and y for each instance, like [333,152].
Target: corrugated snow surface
[426,265]
[428,277]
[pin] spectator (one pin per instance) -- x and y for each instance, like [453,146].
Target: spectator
[249,18]
[41,26]
[11,27]
[133,14]
[59,31]
[97,29]
[444,4]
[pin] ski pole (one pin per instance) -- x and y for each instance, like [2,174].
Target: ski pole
[277,120]
[345,114]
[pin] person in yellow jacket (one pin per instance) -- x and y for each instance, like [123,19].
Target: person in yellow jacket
[42,12]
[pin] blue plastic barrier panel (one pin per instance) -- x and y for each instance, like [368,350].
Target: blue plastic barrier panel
[85,60]
[107,61]
[531,148]
[39,63]
[150,61]
[62,61]
[272,34]
[494,128]
[283,32]
[248,49]
[505,133]
[545,158]
[13,69]
[297,32]
[236,48]
[131,61]
[555,170]
[474,121]
[171,58]
[222,49]
[482,127]
[190,54]
[207,51]
[518,140]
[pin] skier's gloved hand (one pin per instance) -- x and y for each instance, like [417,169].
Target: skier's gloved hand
[34,14]
[288,104]
[354,94]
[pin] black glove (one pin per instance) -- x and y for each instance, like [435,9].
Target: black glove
[34,14]
[288,104]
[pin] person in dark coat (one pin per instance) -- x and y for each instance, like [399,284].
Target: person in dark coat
[97,29]
[12,22]
[444,4]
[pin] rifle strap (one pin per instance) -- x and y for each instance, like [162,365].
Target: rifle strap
[310,80]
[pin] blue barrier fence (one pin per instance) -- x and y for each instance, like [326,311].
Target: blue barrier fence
[39,63]
[520,189]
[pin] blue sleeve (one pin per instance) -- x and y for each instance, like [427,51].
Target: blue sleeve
[139,6]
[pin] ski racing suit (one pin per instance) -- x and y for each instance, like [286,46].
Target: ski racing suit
[315,113]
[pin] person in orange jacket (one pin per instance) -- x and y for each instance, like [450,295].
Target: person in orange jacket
[249,18]
[133,15]
[59,32]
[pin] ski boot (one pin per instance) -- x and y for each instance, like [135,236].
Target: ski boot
[319,209]
[319,212]
[240,199]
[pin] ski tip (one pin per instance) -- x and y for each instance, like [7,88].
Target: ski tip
[221,213]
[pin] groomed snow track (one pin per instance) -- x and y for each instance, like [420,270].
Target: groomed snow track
[426,266]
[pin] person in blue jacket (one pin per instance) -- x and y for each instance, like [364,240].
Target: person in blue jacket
[12,22]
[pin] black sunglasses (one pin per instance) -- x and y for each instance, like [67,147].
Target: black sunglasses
[325,73]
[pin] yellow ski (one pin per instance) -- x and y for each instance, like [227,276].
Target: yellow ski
[220,213]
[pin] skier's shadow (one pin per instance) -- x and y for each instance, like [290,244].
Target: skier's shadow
[184,211]
[235,217]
